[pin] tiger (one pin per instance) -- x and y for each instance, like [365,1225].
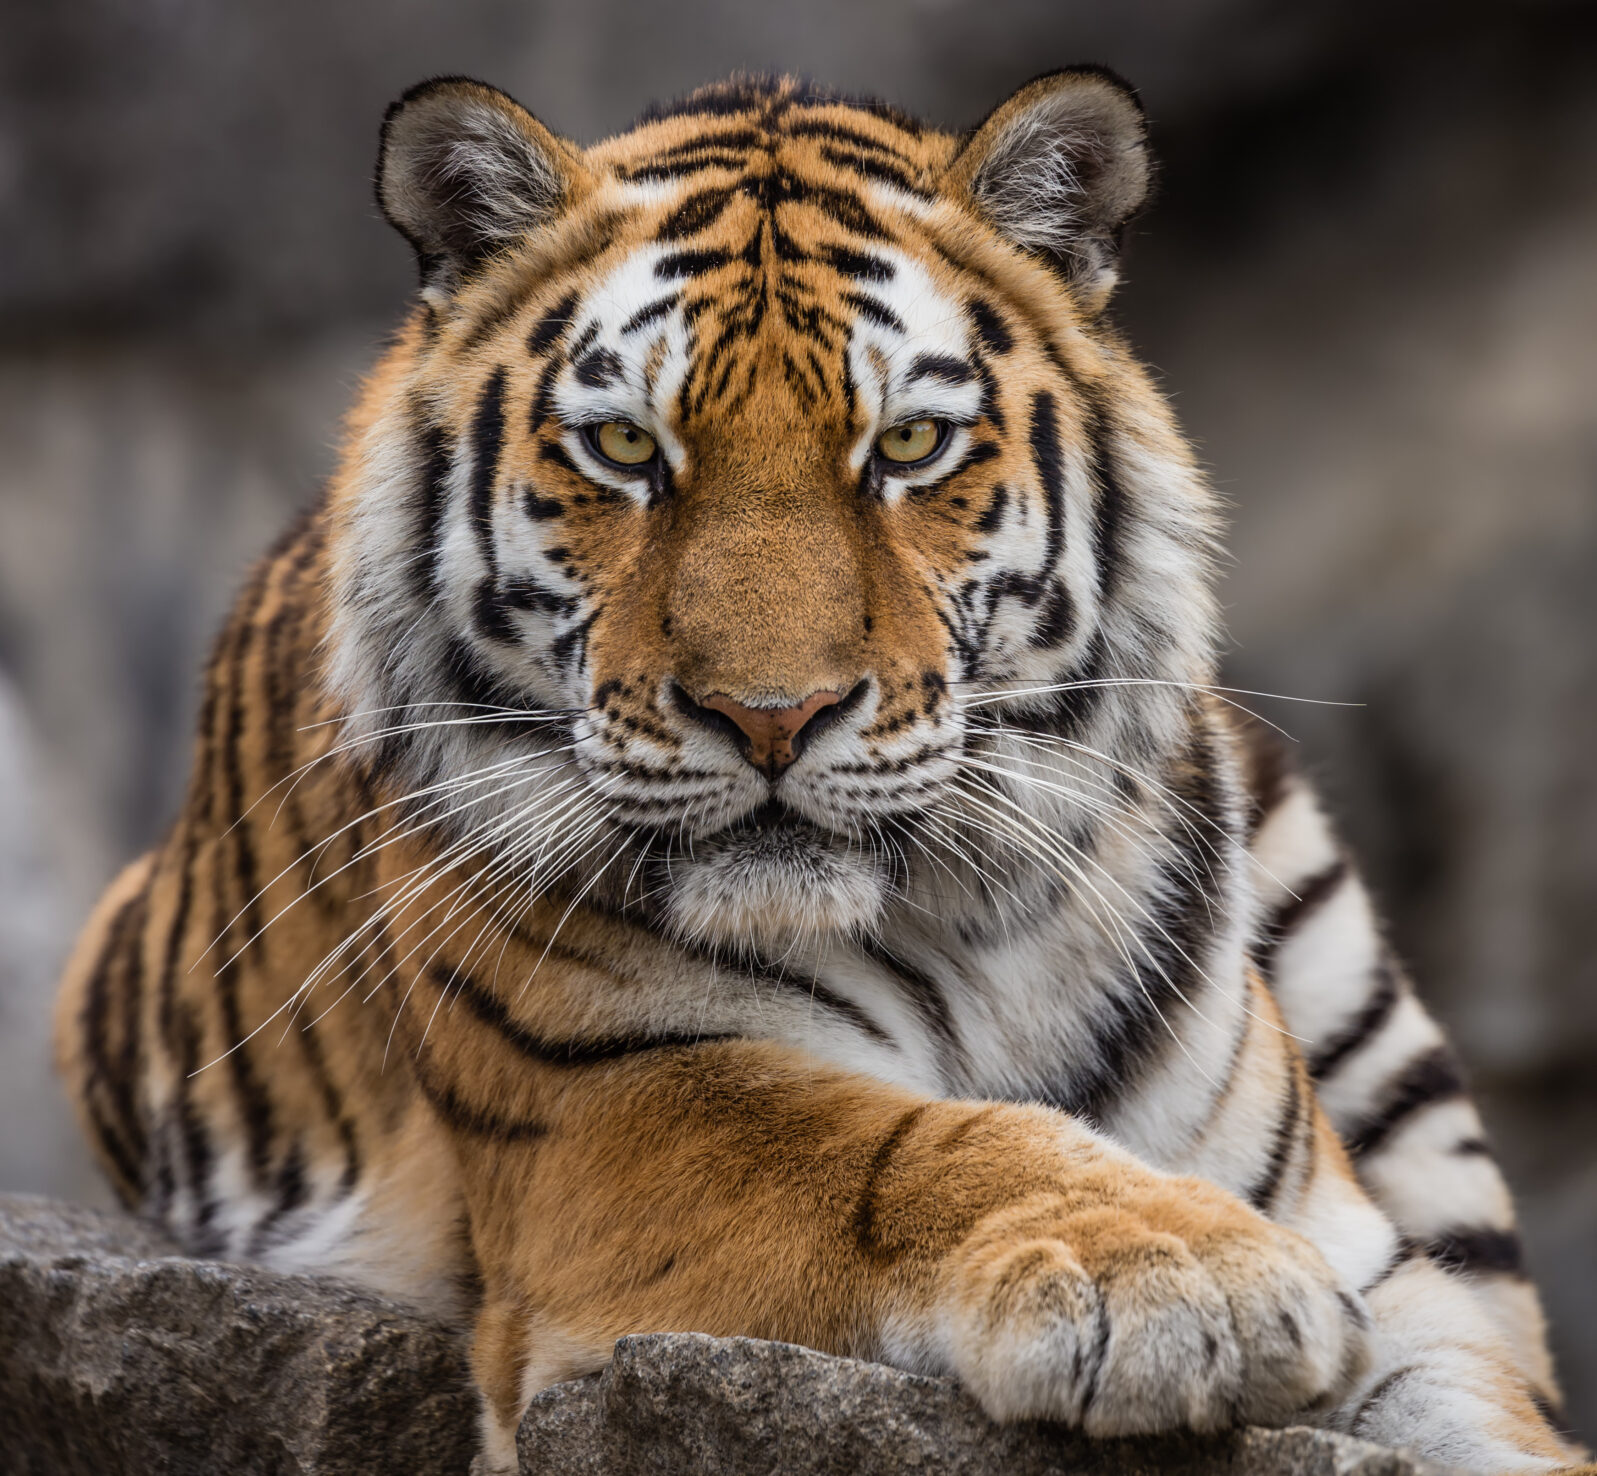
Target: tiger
[723,817]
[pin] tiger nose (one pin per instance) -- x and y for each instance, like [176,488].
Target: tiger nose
[771,737]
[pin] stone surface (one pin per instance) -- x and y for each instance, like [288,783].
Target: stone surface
[118,1355]
[681,1403]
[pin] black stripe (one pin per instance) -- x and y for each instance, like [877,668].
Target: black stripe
[476,1122]
[540,508]
[547,331]
[109,1090]
[525,593]
[1055,617]
[1363,1027]
[254,1102]
[843,207]
[598,368]
[1433,1077]
[1261,1195]
[765,975]
[727,138]
[1109,506]
[291,1191]
[878,312]
[130,1063]
[1070,710]
[686,264]
[127,1170]
[697,213]
[990,327]
[867,1239]
[649,312]
[825,128]
[489,614]
[1166,959]
[487,436]
[97,1004]
[1403,1253]
[474,685]
[992,516]
[860,265]
[1478,1251]
[490,1010]
[278,700]
[940,366]
[332,1102]
[926,996]
[836,1004]
[1294,912]
[198,1158]
[556,455]
[875,168]
[1378,1393]
[685,167]
[435,454]
[570,648]
[120,1130]
[1044,438]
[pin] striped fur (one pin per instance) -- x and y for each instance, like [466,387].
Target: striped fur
[1031,1026]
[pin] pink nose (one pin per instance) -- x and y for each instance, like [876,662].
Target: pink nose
[773,735]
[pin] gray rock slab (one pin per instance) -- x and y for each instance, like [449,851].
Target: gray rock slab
[119,1355]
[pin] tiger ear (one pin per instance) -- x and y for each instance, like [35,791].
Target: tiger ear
[1059,169]
[463,171]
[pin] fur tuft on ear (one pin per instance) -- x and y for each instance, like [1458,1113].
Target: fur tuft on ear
[1059,169]
[463,171]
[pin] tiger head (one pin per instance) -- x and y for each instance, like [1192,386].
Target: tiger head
[754,495]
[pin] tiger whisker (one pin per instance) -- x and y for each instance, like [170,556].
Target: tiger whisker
[443,791]
[1118,938]
[1147,917]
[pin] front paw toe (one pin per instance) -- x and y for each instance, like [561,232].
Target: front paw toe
[1113,1322]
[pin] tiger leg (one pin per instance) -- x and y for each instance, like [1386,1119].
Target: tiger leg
[1443,1378]
[739,1188]
[1384,1072]
[99,1031]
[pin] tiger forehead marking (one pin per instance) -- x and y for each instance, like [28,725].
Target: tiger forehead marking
[765,327]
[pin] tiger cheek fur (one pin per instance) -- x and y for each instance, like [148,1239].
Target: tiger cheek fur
[739,728]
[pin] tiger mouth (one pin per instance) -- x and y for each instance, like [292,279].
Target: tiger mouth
[775,817]
[773,833]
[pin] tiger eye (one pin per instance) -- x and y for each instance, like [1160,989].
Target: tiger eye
[622,441]
[914,440]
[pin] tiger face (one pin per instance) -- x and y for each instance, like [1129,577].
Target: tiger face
[750,490]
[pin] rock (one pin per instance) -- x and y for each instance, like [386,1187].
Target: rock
[678,1403]
[117,1354]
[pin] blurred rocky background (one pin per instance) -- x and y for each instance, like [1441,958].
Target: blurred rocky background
[1370,282]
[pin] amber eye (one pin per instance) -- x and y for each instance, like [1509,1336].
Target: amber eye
[623,442]
[914,440]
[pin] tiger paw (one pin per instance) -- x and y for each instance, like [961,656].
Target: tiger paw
[1183,1310]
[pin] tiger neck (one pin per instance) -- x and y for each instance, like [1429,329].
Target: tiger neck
[1112,987]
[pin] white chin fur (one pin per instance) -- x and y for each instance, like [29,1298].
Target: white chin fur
[753,893]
